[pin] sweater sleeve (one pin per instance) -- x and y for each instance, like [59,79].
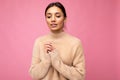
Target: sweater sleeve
[74,72]
[39,67]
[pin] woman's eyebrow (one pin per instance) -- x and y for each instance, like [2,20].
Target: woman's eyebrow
[57,13]
[51,13]
[48,13]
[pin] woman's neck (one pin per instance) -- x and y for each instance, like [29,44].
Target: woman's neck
[57,34]
[57,31]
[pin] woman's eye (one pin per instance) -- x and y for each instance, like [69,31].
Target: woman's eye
[58,16]
[48,16]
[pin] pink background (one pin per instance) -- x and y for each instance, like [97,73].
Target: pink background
[95,22]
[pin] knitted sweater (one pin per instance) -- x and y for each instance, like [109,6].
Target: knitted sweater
[67,60]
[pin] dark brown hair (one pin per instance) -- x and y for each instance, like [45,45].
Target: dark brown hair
[57,4]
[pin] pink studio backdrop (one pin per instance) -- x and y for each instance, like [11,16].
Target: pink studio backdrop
[95,22]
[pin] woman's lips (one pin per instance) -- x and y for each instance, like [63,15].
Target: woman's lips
[53,25]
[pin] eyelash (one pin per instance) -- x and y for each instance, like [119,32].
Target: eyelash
[56,16]
[48,16]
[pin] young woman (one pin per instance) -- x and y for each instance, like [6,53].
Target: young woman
[57,55]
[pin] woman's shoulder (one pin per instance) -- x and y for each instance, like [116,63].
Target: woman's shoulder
[41,38]
[73,39]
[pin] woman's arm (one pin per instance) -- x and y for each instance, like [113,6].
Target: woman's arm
[40,62]
[74,72]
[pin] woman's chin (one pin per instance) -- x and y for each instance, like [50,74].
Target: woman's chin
[55,30]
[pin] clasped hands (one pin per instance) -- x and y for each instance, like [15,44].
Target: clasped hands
[49,47]
[50,53]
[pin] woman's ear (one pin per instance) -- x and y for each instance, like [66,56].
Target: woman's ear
[65,20]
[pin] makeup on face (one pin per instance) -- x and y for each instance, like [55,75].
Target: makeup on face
[55,18]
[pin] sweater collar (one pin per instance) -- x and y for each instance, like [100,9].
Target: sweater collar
[57,35]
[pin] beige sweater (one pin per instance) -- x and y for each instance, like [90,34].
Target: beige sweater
[67,61]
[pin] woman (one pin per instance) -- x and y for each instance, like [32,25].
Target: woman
[58,55]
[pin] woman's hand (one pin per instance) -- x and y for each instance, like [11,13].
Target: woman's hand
[48,47]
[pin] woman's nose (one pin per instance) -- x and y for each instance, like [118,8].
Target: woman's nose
[53,19]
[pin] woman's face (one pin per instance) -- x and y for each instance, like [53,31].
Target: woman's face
[55,19]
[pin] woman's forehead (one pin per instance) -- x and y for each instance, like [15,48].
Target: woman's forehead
[54,9]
